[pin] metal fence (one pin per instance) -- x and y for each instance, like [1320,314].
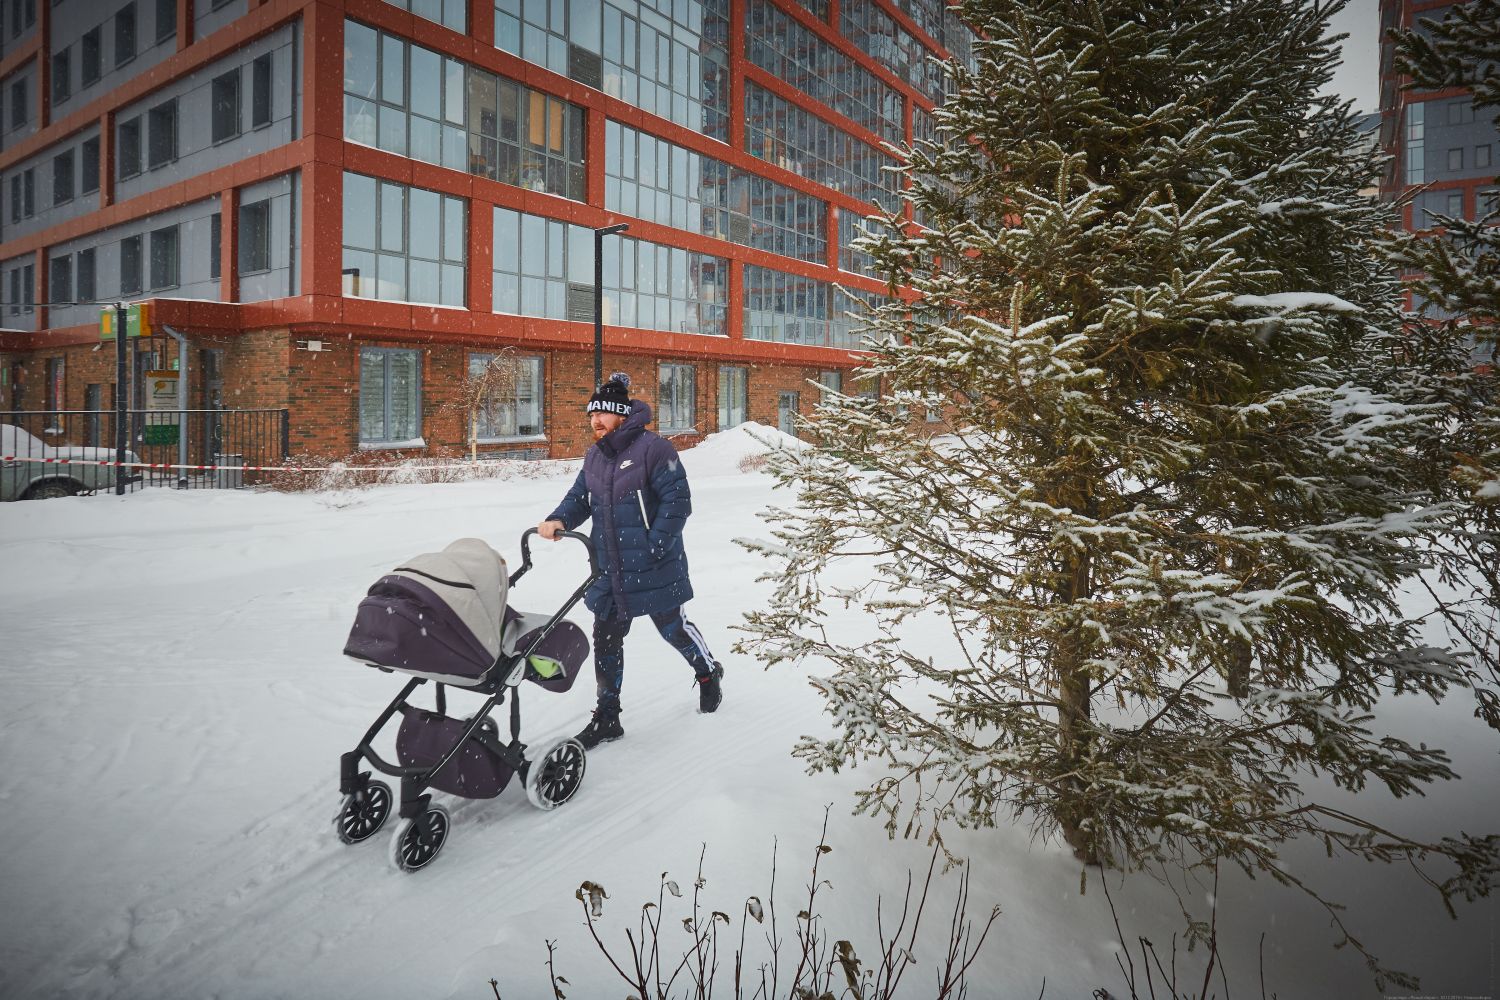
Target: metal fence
[227,438]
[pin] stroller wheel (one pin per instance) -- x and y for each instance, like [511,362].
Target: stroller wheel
[364,812]
[418,840]
[554,776]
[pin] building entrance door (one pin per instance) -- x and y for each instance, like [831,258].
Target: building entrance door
[213,402]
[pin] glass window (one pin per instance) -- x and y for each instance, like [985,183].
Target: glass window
[164,258]
[88,166]
[60,279]
[676,398]
[226,106]
[162,143]
[1482,156]
[85,282]
[130,265]
[166,19]
[1456,159]
[734,396]
[390,396]
[510,403]
[62,177]
[215,246]
[1416,144]
[404,243]
[255,237]
[62,77]
[20,106]
[260,91]
[125,34]
[90,56]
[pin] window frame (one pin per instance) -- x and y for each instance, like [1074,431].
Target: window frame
[740,373]
[126,26]
[664,410]
[539,382]
[254,252]
[163,114]
[86,254]
[88,179]
[60,265]
[133,127]
[70,175]
[137,278]
[172,264]
[385,354]
[261,112]
[231,78]
[62,75]
[161,7]
[91,44]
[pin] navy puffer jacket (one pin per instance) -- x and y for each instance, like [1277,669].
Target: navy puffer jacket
[633,486]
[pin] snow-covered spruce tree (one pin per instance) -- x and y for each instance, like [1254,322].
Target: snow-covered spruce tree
[1458,291]
[1170,524]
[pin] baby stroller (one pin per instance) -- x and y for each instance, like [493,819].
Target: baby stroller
[443,617]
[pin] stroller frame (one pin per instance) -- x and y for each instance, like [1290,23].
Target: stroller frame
[416,800]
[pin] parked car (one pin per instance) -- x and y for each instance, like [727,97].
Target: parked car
[45,480]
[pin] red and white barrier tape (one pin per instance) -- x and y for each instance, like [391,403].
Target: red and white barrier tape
[237,468]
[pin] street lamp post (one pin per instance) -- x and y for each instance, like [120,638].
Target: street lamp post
[599,235]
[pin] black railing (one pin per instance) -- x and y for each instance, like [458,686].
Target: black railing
[225,439]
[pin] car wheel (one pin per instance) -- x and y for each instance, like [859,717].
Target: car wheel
[51,490]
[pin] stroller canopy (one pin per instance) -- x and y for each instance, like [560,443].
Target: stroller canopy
[441,615]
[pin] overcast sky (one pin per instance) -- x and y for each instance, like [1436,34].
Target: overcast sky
[1357,80]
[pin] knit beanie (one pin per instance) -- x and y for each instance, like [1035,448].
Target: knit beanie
[613,396]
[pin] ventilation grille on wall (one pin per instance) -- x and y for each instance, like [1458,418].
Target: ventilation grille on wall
[580,303]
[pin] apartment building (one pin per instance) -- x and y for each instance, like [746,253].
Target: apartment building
[1444,157]
[344,207]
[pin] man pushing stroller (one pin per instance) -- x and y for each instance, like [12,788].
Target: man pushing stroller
[634,488]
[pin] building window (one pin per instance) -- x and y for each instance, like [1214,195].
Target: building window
[1482,155]
[448,13]
[1461,111]
[415,102]
[85,282]
[1416,144]
[1456,159]
[56,381]
[90,57]
[62,177]
[88,166]
[255,237]
[260,91]
[28,288]
[831,381]
[390,397]
[782,46]
[403,243]
[783,133]
[15,292]
[659,181]
[734,396]
[125,35]
[60,279]
[676,398]
[226,106]
[130,265]
[164,258]
[163,134]
[511,410]
[166,20]
[62,81]
[129,152]
[19,105]
[215,250]
[28,192]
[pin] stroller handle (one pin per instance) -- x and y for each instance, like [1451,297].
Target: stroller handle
[526,552]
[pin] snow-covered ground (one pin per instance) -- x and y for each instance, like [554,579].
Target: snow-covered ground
[174,704]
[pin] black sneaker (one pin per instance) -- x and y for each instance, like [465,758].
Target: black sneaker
[709,694]
[604,727]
